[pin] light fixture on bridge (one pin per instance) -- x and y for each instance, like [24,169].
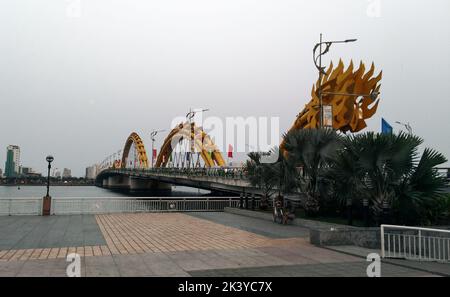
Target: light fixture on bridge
[153,135]
[191,114]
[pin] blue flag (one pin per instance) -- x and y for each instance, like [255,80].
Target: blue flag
[386,128]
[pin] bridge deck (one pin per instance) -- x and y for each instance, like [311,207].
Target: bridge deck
[217,179]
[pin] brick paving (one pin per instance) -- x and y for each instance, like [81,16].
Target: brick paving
[129,234]
[150,233]
[176,244]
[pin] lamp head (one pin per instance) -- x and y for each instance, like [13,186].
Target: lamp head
[49,159]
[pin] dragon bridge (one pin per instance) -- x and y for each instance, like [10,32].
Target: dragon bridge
[201,143]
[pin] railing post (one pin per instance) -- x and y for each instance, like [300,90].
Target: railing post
[241,201]
[253,201]
[420,244]
[382,242]
[246,201]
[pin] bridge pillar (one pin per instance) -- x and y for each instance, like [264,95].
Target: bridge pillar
[137,185]
[145,185]
[105,183]
[118,182]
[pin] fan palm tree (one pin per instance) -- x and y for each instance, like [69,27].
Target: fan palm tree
[420,194]
[388,169]
[345,176]
[261,175]
[383,160]
[312,150]
[271,173]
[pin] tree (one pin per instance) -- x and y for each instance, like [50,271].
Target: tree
[312,150]
[261,175]
[271,173]
[344,175]
[419,194]
[388,169]
[383,160]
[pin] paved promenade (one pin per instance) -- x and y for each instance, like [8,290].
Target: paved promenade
[170,244]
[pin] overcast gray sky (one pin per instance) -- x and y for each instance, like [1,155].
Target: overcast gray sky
[75,81]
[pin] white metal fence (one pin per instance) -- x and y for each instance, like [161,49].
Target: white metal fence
[20,206]
[62,206]
[117,205]
[415,243]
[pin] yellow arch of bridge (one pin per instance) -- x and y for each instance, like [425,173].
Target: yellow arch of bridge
[140,149]
[202,143]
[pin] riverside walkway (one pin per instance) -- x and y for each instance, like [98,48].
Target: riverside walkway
[171,244]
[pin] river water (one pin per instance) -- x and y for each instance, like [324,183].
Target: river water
[85,192]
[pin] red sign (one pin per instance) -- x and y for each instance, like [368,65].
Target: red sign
[230,151]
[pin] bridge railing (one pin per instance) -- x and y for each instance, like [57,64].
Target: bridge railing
[123,205]
[222,172]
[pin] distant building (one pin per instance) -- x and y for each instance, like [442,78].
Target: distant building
[34,175]
[56,173]
[12,165]
[26,170]
[67,173]
[91,172]
[1,173]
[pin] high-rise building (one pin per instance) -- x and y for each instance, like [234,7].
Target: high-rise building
[67,173]
[91,172]
[12,165]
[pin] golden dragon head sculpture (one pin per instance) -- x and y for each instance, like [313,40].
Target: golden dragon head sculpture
[349,111]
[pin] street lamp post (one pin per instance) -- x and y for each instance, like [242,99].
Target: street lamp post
[153,135]
[318,62]
[47,201]
[49,160]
